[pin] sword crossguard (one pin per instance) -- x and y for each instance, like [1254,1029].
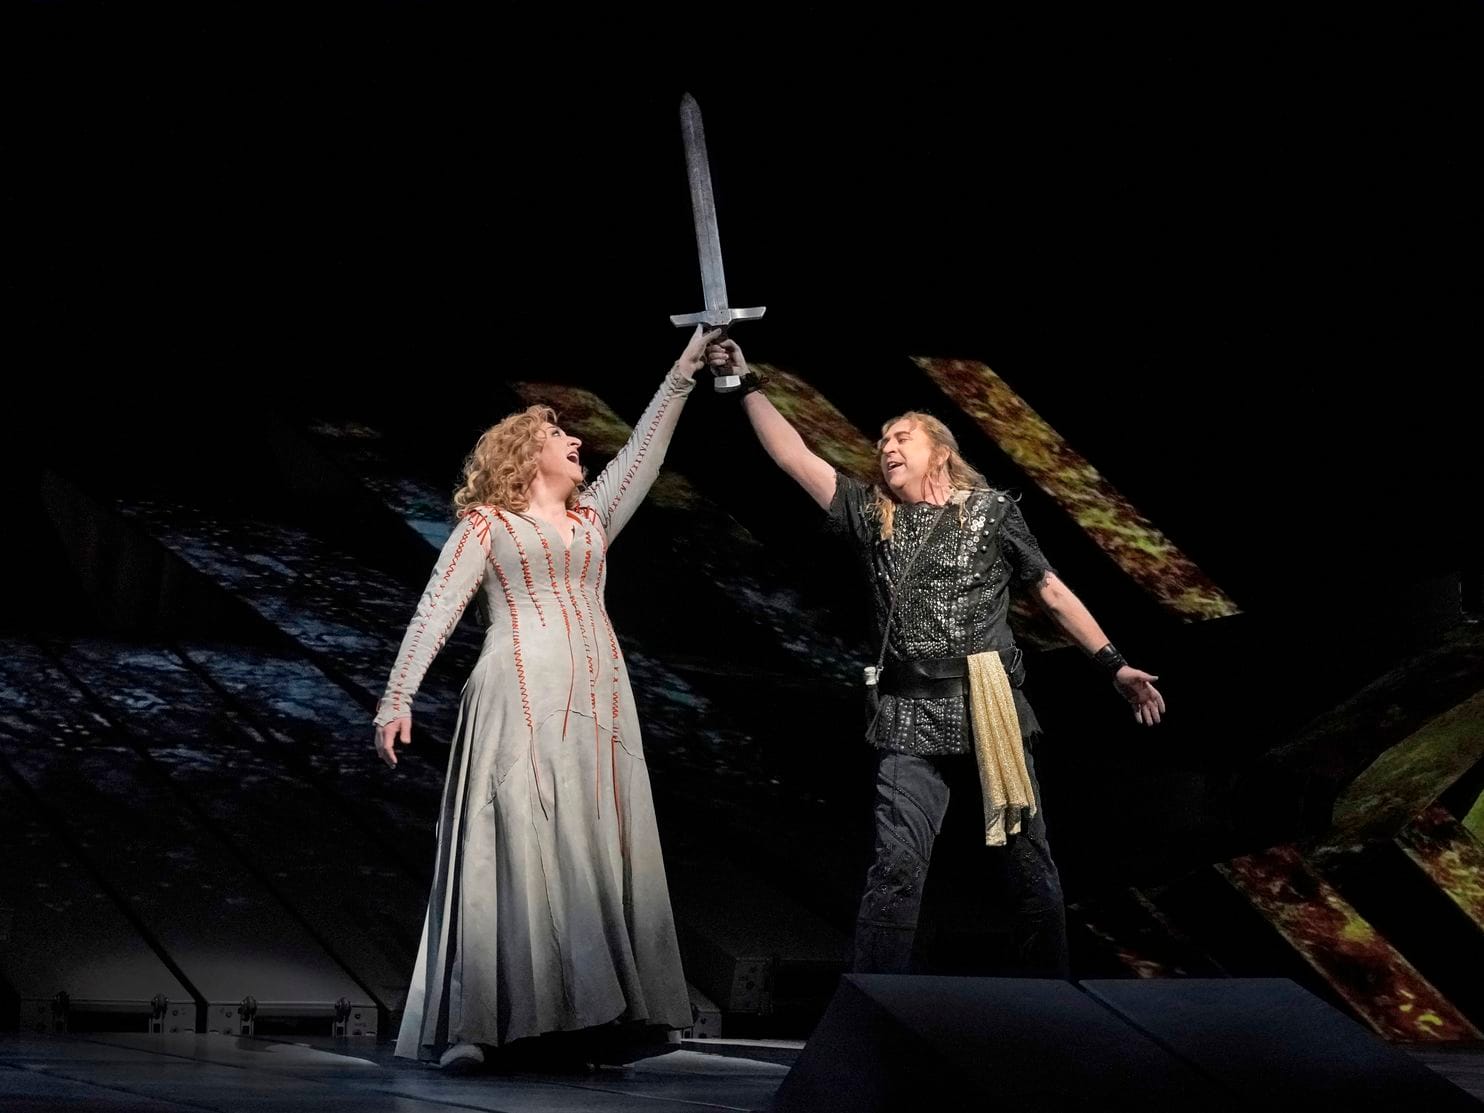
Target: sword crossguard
[724,384]
[717,318]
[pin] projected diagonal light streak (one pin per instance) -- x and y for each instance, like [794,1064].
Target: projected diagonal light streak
[1133,542]
[1452,858]
[1409,775]
[824,428]
[1352,956]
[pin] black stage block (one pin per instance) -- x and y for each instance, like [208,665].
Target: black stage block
[941,1044]
[1278,1046]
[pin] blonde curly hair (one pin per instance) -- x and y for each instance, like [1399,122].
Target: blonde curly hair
[962,476]
[500,469]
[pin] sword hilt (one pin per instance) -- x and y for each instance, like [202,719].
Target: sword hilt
[724,384]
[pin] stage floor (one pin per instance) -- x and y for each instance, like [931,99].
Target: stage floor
[123,1073]
[172,1074]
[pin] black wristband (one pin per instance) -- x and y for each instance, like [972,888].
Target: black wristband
[750,382]
[1110,659]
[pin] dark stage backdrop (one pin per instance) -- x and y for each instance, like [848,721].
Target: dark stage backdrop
[1205,311]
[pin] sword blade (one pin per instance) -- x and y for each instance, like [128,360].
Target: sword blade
[703,206]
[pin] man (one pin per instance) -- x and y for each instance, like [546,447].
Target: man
[940,549]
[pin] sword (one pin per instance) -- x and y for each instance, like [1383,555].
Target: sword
[718,314]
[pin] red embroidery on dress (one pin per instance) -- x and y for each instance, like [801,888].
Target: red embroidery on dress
[595,520]
[525,567]
[592,670]
[602,614]
[520,667]
[520,677]
[481,529]
[638,457]
[400,687]
[617,807]
[566,622]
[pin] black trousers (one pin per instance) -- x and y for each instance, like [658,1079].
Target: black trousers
[911,800]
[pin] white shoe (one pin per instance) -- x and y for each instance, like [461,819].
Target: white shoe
[461,1057]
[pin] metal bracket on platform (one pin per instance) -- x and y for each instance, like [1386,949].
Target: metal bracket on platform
[705,1017]
[159,1005]
[353,1020]
[61,1010]
[166,1019]
[247,1015]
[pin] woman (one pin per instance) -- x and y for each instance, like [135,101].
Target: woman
[549,910]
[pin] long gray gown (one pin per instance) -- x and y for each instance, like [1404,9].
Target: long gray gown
[549,909]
